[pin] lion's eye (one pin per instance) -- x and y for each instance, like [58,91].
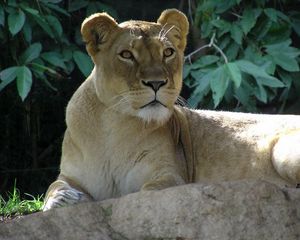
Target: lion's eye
[168,52]
[126,54]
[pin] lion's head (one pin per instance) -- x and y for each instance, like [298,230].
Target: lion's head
[138,65]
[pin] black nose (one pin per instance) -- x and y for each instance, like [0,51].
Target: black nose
[155,85]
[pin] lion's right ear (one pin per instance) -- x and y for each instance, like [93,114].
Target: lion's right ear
[95,31]
[178,20]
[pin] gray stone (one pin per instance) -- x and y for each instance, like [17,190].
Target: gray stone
[230,210]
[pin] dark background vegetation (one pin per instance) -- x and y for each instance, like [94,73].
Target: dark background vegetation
[249,61]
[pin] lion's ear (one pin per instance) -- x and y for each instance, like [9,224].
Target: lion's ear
[96,29]
[173,18]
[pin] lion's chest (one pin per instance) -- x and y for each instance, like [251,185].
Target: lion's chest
[119,159]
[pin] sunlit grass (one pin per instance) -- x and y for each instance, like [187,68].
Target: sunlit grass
[15,206]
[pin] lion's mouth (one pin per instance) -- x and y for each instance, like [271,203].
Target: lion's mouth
[153,103]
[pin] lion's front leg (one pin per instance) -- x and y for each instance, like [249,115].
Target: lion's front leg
[286,157]
[61,193]
[162,181]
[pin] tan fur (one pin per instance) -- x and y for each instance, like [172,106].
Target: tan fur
[115,143]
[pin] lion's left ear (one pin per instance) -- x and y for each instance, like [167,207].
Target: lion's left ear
[173,18]
[96,30]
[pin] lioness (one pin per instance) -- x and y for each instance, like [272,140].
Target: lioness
[125,133]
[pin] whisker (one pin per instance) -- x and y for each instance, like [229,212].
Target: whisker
[124,100]
[181,102]
[161,31]
[121,94]
[166,32]
[171,91]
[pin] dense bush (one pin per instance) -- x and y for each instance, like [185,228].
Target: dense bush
[43,60]
[250,59]
[36,41]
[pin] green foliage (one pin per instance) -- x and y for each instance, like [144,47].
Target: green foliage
[15,206]
[251,60]
[39,41]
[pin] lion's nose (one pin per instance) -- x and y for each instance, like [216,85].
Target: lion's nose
[155,85]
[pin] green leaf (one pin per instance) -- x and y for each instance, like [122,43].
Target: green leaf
[261,94]
[268,65]
[286,78]
[271,13]
[252,69]
[201,89]
[244,94]
[224,5]
[67,53]
[39,20]
[32,11]
[7,76]
[38,68]
[252,53]
[24,81]
[295,21]
[76,5]
[43,24]
[206,29]
[270,82]
[48,84]
[2,16]
[12,3]
[83,62]
[209,59]
[16,21]
[248,21]
[284,55]
[287,63]
[259,74]
[236,33]
[186,70]
[54,58]
[198,74]
[262,28]
[52,1]
[31,53]
[283,46]
[283,17]
[57,9]
[232,50]
[218,84]
[27,31]
[223,42]
[41,68]
[234,73]
[205,61]
[55,25]
[223,26]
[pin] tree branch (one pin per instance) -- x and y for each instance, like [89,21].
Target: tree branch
[211,44]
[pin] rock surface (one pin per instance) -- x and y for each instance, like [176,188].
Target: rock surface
[230,210]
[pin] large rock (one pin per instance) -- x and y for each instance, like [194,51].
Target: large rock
[231,210]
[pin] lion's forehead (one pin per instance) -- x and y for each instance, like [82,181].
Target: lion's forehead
[150,28]
[141,36]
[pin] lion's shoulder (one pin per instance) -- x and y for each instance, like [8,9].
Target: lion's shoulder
[83,106]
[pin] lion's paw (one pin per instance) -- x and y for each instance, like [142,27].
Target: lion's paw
[62,198]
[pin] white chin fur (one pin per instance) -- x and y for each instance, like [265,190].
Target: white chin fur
[155,113]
